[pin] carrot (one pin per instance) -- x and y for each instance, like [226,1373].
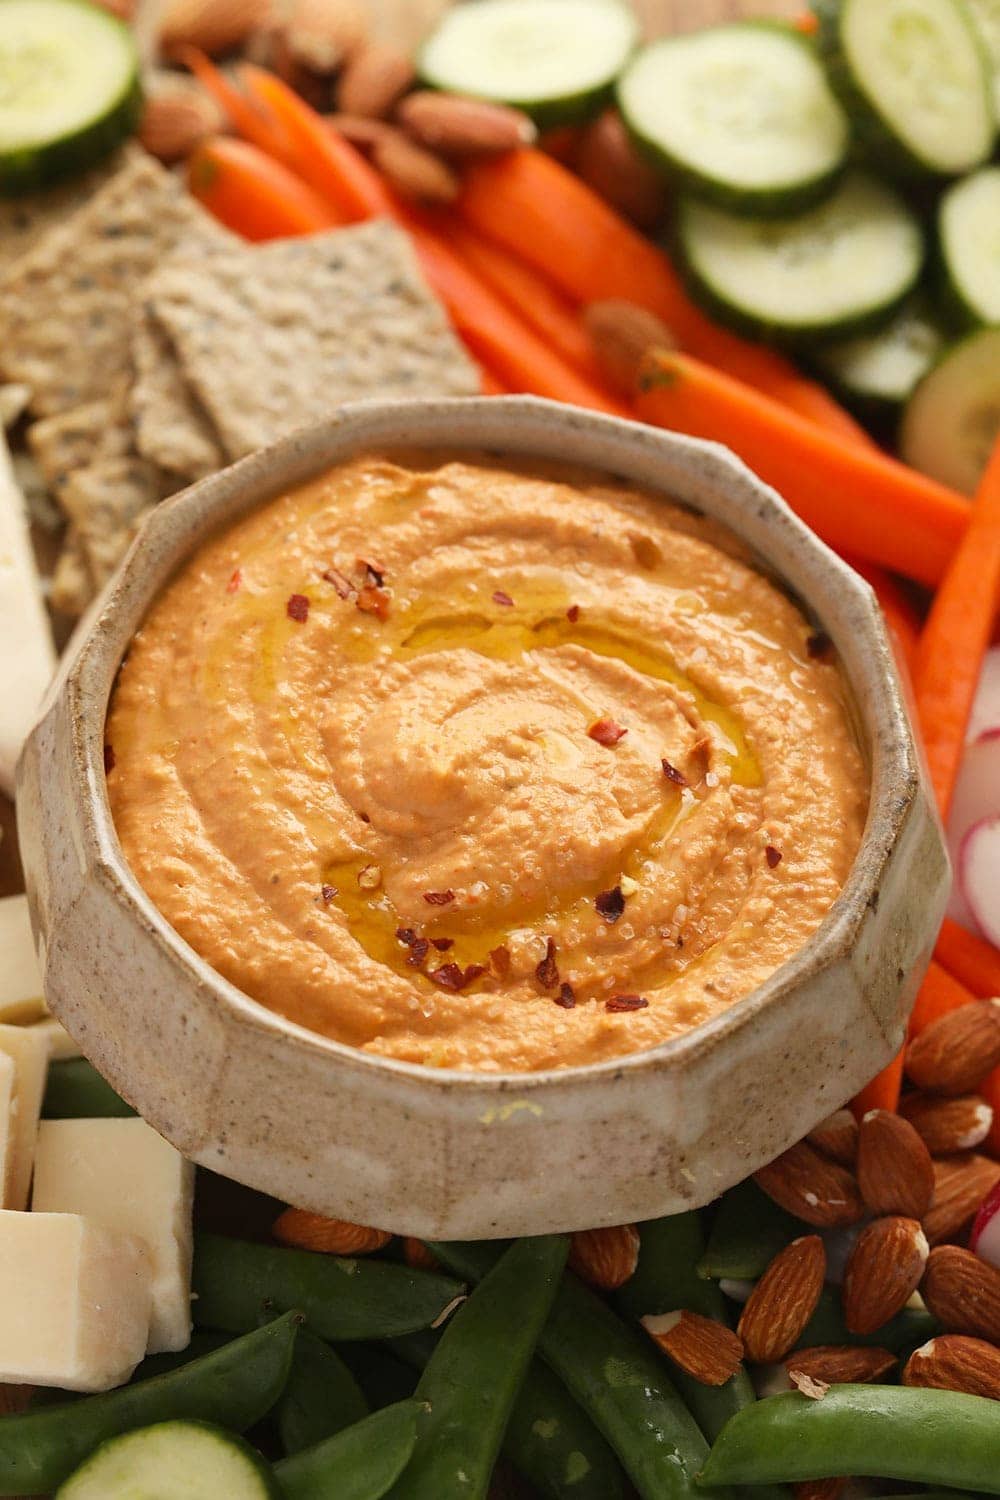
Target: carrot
[956,637]
[535,207]
[253,123]
[969,959]
[806,23]
[252,194]
[857,499]
[883,1091]
[939,994]
[491,385]
[990,1091]
[900,613]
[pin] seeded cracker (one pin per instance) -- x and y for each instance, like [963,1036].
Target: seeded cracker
[273,337]
[68,440]
[26,220]
[171,429]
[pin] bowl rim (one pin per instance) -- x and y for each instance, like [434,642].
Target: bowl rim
[95,654]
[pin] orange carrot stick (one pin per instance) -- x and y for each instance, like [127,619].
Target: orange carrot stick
[253,123]
[970,959]
[939,994]
[491,385]
[883,1091]
[991,1093]
[806,23]
[901,616]
[535,207]
[956,636]
[857,499]
[252,193]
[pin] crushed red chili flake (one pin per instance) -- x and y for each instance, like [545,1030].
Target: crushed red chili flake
[610,904]
[566,996]
[328,892]
[340,583]
[439,898]
[625,1002]
[546,971]
[374,575]
[297,608]
[499,597]
[672,773]
[109,759]
[454,977]
[500,959]
[373,600]
[443,944]
[235,581]
[819,645]
[573,613]
[773,856]
[606,732]
[418,952]
[406,935]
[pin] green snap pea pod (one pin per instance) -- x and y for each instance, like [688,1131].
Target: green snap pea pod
[75,1090]
[383,1378]
[362,1462]
[910,1327]
[617,1377]
[549,1439]
[321,1398]
[894,1432]
[202,1342]
[235,1387]
[747,1232]
[472,1379]
[236,1281]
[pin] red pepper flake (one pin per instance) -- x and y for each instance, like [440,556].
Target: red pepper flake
[573,613]
[418,951]
[672,773]
[373,600]
[454,977]
[773,856]
[439,898]
[606,731]
[500,959]
[374,575]
[109,759]
[328,892]
[625,1002]
[339,581]
[499,597]
[610,904]
[235,581]
[546,972]
[297,608]
[443,944]
[406,935]
[566,996]
[819,645]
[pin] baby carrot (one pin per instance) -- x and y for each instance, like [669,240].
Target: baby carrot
[969,959]
[252,193]
[939,994]
[883,1091]
[253,123]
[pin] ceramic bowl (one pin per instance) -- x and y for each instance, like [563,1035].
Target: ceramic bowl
[462,1155]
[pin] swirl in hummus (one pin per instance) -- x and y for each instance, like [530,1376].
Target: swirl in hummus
[484,767]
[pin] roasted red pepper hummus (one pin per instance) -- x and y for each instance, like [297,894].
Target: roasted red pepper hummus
[484,767]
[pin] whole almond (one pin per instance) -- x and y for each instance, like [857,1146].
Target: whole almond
[963,1292]
[219,27]
[374,81]
[956,1052]
[322,34]
[812,1187]
[837,1137]
[177,115]
[960,1185]
[605,1258]
[414,172]
[894,1168]
[462,127]
[841,1364]
[883,1272]
[705,1349]
[362,131]
[609,162]
[948,1125]
[775,1314]
[307,1231]
[622,334]
[418,1257]
[954,1362]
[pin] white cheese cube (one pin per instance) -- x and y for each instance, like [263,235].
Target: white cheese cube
[27,657]
[20,977]
[31,1065]
[75,1306]
[60,1044]
[122,1175]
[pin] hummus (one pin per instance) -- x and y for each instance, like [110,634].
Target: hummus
[483,767]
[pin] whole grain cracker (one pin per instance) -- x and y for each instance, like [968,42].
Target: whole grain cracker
[172,429]
[69,440]
[72,587]
[27,219]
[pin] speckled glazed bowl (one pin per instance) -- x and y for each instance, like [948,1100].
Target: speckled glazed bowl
[447,1154]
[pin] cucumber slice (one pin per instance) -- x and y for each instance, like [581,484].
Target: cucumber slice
[556,59]
[69,89]
[969,237]
[840,268]
[913,76]
[878,371]
[173,1461]
[741,114]
[953,417]
[986,19]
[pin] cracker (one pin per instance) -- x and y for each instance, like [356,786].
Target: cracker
[68,440]
[275,336]
[72,588]
[171,427]
[106,502]
[26,220]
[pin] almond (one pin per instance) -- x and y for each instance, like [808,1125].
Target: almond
[622,334]
[605,1258]
[894,1167]
[219,27]
[361,131]
[374,80]
[883,1272]
[812,1187]
[609,163]
[307,1231]
[955,1053]
[775,1314]
[948,1125]
[321,35]
[176,116]
[837,1137]
[456,126]
[414,172]
[418,1257]
[705,1349]
[963,1292]
[841,1364]
[953,1362]
[960,1185]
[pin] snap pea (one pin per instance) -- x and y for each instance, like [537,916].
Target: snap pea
[74,1090]
[202,1342]
[473,1376]
[617,1377]
[549,1439]
[362,1462]
[910,1327]
[235,1282]
[895,1432]
[235,1387]
[747,1232]
[383,1378]
[321,1398]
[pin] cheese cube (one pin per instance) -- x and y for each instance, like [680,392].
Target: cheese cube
[20,977]
[75,1306]
[60,1044]
[30,1053]
[125,1177]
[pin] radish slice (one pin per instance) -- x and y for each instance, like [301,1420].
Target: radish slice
[986,709]
[985,1238]
[979,875]
[977,797]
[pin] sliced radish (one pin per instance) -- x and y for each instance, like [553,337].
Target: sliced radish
[979,875]
[986,709]
[985,1238]
[977,797]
